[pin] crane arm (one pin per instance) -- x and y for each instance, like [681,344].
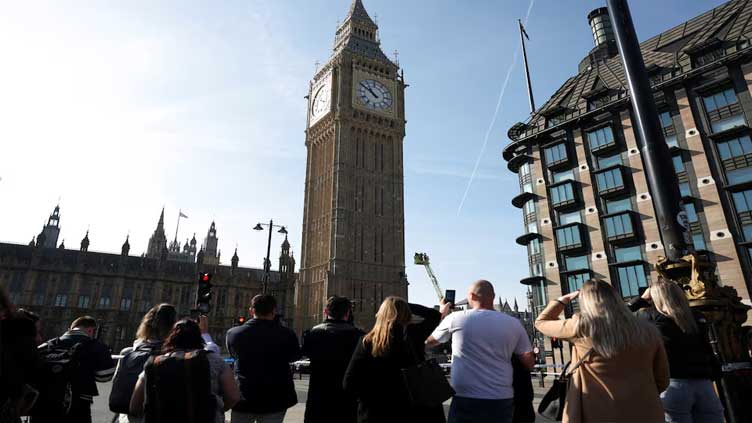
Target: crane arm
[435,282]
[422,259]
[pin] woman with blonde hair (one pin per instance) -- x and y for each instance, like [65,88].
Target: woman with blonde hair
[623,363]
[152,331]
[374,375]
[690,396]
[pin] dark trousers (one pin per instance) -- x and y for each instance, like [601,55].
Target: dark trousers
[80,412]
[473,410]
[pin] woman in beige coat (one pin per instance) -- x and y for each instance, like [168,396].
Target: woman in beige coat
[622,377]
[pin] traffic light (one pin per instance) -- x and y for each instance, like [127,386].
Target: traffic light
[240,320]
[204,294]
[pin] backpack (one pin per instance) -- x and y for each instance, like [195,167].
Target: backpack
[59,370]
[129,367]
[178,388]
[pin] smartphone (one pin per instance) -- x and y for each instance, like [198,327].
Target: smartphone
[450,296]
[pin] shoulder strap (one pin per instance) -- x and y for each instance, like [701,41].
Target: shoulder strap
[579,362]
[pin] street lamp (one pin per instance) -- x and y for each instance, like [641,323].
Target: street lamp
[267,262]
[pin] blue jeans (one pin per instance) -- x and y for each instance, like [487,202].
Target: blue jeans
[691,400]
[474,410]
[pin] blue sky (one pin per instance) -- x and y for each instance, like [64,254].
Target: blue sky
[119,108]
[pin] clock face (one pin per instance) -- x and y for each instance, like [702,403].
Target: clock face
[374,95]
[321,100]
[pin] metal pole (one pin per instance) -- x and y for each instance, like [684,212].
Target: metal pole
[177,225]
[527,70]
[656,157]
[267,263]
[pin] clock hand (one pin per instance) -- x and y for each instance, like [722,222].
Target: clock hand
[369,90]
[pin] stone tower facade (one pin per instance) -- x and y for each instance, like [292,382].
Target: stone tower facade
[51,231]
[210,246]
[353,218]
[158,241]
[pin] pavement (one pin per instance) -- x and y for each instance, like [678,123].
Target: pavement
[101,413]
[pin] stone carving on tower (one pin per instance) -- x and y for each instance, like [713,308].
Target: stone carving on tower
[353,217]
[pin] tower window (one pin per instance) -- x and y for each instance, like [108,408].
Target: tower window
[736,156]
[601,138]
[668,128]
[723,110]
[608,161]
[743,205]
[562,194]
[556,154]
[631,279]
[61,300]
[615,206]
[575,282]
[610,181]
[576,263]
[83,301]
[125,304]
[627,254]
[569,237]
[619,226]
[564,175]
[571,217]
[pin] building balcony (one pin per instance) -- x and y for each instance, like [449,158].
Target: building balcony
[532,280]
[520,200]
[571,237]
[515,162]
[527,238]
[621,226]
[611,181]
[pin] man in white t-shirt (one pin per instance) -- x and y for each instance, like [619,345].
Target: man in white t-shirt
[483,341]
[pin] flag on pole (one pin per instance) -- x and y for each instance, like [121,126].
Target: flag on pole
[522,28]
[182,215]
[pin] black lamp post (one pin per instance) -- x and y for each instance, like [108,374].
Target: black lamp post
[267,262]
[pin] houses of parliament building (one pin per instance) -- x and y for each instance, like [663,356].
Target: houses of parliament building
[61,283]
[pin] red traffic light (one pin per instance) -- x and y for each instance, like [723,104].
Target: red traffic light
[241,319]
[204,277]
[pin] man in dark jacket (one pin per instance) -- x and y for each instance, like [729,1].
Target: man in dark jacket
[329,346]
[263,350]
[96,365]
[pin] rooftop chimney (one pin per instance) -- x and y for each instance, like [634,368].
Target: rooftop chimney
[600,25]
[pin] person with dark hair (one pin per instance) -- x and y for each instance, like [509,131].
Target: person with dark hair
[329,346]
[263,350]
[37,323]
[185,382]
[94,364]
[18,360]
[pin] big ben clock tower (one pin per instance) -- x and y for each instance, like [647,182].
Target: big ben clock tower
[353,217]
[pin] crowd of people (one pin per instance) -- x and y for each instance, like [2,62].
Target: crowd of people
[645,361]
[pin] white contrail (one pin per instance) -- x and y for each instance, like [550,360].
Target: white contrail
[496,113]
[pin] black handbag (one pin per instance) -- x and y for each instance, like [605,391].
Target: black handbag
[552,404]
[425,382]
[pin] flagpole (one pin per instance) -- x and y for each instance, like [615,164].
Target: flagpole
[180,214]
[523,34]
